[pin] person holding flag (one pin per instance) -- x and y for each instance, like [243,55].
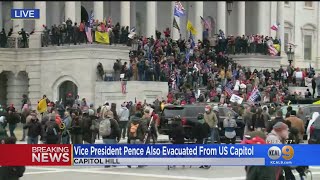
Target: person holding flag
[43,105]
[88,28]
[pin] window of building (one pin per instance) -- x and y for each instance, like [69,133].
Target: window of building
[308,3]
[307,47]
[286,41]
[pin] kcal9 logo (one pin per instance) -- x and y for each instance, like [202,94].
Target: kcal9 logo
[287,152]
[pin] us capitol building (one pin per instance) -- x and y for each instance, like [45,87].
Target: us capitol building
[56,70]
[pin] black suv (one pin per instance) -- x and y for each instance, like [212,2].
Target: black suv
[189,117]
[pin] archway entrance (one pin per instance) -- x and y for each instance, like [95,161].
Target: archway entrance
[3,88]
[84,14]
[67,92]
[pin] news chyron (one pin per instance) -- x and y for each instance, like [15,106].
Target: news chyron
[51,155]
[25,13]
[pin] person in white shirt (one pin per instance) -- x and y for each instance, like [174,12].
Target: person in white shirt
[315,115]
[123,118]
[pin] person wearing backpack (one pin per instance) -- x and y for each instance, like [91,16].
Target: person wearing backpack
[109,129]
[11,172]
[52,130]
[76,129]
[65,135]
[136,130]
[94,126]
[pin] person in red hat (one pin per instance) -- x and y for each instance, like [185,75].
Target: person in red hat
[259,172]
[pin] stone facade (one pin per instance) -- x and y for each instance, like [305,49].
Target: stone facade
[42,71]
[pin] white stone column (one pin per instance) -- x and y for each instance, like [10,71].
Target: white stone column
[1,16]
[280,19]
[42,5]
[98,10]
[241,18]
[151,18]
[198,7]
[133,14]
[34,75]
[125,13]
[221,16]
[35,39]
[175,32]
[261,20]
[16,87]
[17,23]
[55,15]
[70,11]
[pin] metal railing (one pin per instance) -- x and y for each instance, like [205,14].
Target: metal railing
[11,42]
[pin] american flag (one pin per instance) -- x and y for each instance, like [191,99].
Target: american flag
[255,94]
[91,19]
[206,24]
[179,9]
[272,51]
[228,89]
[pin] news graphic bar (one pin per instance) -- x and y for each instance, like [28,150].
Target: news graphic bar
[158,155]
[168,161]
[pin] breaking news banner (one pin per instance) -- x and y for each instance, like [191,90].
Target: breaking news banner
[159,155]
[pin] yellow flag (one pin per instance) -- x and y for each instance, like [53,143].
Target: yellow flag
[277,47]
[102,37]
[42,106]
[191,28]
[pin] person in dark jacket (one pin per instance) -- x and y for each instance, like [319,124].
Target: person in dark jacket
[52,130]
[76,129]
[289,109]
[152,132]
[114,111]
[11,172]
[34,130]
[12,119]
[86,132]
[314,85]
[293,139]
[278,118]
[136,130]
[257,118]
[177,134]
[201,133]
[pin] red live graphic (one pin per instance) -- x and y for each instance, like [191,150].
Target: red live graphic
[36,155]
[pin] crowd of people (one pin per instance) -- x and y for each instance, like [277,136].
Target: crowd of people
[78,122]
[195,72]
